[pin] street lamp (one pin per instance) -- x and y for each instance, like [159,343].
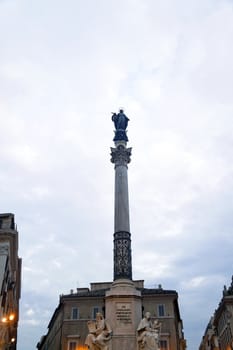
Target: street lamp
[6,319]
[7,336]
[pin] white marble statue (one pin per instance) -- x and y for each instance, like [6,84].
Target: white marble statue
[148,333]
[99,334]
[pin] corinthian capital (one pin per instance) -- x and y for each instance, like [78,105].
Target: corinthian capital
[120,155]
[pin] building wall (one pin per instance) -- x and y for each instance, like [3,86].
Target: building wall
[10,281]
[219,331]
[75,330]
[162,308]
[210,339]
[54,337]
[224,323]
[87,307]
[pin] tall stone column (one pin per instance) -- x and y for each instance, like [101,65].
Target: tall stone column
[120,156]
[123,300]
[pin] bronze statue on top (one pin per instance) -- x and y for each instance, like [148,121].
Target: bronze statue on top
[121,122]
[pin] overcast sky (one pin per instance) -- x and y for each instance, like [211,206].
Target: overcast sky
[64,67]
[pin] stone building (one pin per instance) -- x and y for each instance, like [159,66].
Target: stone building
[223,319]
[67,328]
[10,282]
[221,327]
[209,339]
[123,302]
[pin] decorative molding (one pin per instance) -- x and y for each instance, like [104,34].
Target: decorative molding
[122,255]
[120,155]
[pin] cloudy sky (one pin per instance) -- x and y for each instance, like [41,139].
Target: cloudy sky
[64,67]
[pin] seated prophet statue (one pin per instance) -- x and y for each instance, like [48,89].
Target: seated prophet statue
[148,333]
[99,334]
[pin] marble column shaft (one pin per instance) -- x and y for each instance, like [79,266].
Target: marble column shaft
[122,240]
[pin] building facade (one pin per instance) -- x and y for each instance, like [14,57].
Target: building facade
[223,319]
[67,329]
[10,282]
[219,333]
[210,339]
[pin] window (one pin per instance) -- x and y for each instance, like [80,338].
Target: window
[94,311]
[75,313]
[163,345]
[161,310]
[72,345]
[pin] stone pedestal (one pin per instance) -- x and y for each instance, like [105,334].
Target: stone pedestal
[123,312]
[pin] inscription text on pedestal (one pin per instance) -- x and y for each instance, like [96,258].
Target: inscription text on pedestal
[124,313]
